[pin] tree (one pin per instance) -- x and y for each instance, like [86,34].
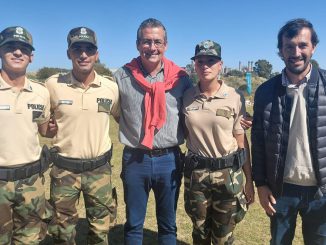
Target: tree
[45,72]
[314,63]
[190,69]
[263,68]
[101,69]
[275,74]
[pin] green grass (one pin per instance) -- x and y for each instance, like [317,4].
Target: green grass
[253,230]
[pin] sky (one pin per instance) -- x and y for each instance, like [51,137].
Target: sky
[246,30]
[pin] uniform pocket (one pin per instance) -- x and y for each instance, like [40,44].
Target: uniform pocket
[224,211]
[104,105]
[37,116]
[126,159]
[234,182]
[241,208]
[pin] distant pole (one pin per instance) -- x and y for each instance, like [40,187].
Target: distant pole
[248,79]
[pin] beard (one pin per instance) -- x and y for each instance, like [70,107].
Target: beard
[297,69]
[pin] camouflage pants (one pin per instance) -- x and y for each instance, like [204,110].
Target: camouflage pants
[22,205]
[100,206]
[215,203]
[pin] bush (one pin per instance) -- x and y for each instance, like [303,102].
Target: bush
[45,72]
[235,73]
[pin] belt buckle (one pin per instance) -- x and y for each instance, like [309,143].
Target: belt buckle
[224,162]
[87,165]
[215,164]
[19,173]
[156,152]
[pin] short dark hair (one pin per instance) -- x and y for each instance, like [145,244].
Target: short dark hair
[151,22]
[292,28]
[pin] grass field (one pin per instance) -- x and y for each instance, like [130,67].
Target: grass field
[253,230]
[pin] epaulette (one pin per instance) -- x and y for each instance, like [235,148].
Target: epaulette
[62,78]
[108,77]
[37,82]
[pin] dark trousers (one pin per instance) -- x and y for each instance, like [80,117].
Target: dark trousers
[142,173]
[299,199]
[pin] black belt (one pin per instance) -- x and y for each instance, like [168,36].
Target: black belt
[154,152]
[234,160]
[27,170]
[23,172]
[78,165]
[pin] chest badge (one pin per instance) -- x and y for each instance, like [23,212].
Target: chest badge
[193,108]
[104,104]
[4,107]
[223,113]
[65,102]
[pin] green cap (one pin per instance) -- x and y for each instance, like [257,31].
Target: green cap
[207,47]
[81,35]
[16,34]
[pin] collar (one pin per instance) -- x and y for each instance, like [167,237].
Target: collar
[222,93]
[287,83]
[145,73]
[74,82]
[27,85]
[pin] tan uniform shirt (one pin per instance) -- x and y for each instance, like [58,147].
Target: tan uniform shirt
[20,114]
[211,122]
[83,114]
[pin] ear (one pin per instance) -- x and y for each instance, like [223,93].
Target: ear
[96,56]
[31,57]
[68,55]
[220,66]
[313,49]
[280,54]
[137,45]
[166,46]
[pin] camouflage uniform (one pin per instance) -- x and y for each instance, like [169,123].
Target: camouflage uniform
[82,113]
[23,110]
[215,202]
[100,206]
[22,210]
[214,197]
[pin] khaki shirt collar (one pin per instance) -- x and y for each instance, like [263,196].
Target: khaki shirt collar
[74,82]
[222,93]
[27,85]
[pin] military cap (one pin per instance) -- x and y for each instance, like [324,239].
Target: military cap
[81,35]
[16,34]
[209,48]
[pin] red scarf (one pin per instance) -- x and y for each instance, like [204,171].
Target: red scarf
[154,101]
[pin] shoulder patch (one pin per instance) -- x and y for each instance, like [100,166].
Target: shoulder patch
[37,82]
[64,78]
[108,77]
[223,113]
